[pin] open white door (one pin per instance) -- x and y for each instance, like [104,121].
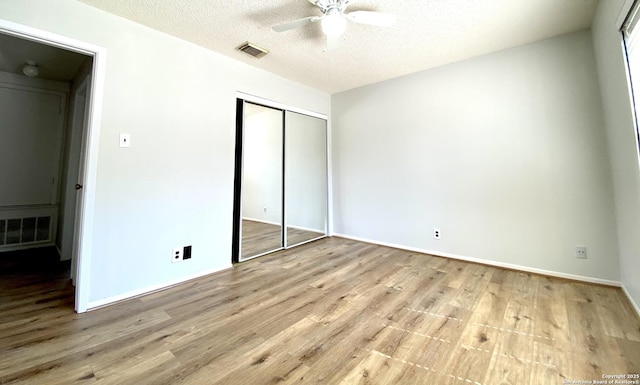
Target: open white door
[80,127]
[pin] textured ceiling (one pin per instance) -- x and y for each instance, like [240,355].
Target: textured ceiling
[427,33]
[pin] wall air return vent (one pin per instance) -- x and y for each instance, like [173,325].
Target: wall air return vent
[252,49]
[23,231]
[23,227]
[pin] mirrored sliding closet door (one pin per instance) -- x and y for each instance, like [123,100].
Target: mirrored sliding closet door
[280,180]
[262,168]
[305,178]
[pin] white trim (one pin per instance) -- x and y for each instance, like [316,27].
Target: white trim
[262,221]
[318,231]
[511,266]
[92,142]
[83,287]
[635,306]
[31,88]
[42,85]
[329,220]
[281,106]
[623,12]
[93,305]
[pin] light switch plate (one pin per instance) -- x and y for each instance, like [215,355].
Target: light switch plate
[125,140]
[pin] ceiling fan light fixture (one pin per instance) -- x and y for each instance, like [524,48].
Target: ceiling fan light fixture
[334,24]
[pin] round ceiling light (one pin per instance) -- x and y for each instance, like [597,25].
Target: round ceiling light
[30,69]
[334,24]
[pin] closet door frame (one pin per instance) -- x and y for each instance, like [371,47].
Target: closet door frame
[239,178]
[241,99]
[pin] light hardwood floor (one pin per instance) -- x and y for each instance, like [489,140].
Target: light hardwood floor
[333,311]
[260,237]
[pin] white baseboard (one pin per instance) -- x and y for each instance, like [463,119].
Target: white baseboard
[505,265]
[280,224]
[319,231]
[633,303]
[261,221]
[93,305]
[148,290]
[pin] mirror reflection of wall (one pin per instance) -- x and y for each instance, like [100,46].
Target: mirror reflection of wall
[306,177]
[283,161]
[261,180]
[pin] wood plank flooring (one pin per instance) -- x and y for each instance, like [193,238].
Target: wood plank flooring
[333,311]
[260,237]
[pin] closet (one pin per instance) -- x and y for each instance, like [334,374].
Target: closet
[32,121]
[280,180]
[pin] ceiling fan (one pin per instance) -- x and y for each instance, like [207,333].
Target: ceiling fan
[334,20]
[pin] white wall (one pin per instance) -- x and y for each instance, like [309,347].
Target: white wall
[262,164]
[31,128]
[174,185]
[621,141]
[505,153]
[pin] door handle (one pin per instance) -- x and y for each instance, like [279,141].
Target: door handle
[78,186]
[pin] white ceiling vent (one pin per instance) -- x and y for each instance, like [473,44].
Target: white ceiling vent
[252,49]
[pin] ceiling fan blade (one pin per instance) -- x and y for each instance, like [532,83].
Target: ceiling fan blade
[333,43]
[371,18]
[295,24]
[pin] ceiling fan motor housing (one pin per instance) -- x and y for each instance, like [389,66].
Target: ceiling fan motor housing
[329,7]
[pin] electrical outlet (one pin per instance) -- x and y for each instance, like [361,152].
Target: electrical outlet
[581,252]
[177,254]
[264,209]
[436,233]
[186,253]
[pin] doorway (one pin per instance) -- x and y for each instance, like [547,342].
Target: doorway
[66,223]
